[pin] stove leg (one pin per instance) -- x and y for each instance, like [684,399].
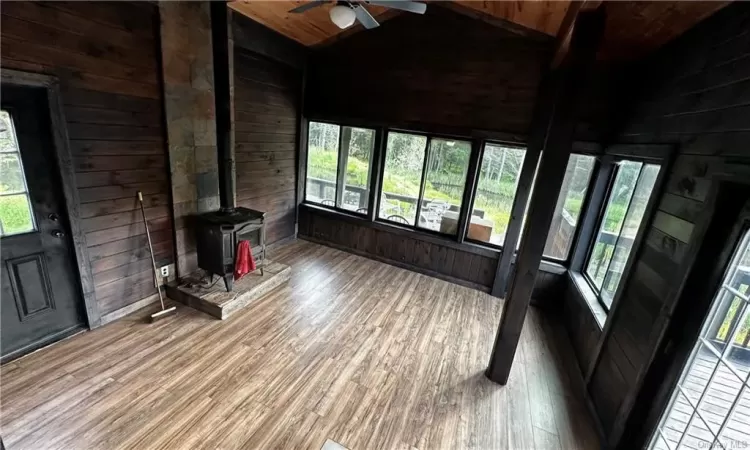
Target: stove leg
[229,281]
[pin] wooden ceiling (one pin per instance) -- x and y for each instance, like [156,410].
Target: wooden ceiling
[633,28]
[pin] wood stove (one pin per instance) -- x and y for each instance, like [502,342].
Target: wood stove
[217,235]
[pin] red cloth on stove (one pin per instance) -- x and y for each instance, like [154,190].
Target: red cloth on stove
[244,262]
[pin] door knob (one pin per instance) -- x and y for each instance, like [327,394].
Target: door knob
[58,234]
[54,217]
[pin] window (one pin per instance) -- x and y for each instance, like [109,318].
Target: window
[625,206]
[15,205]
[568,209]
[338,166]
[499,172]
[423,181]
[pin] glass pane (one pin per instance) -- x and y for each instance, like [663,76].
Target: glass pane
[568,210]
[322,163]
[447,164]
[15,215]
[697,436]
[723,388]
[736,432]
[404,160]
[498,180]
[7,135]
[357,144]
[632,222]
[676,421]
[11,174]
[614,216]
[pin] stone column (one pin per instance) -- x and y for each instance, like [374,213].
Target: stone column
[187,71]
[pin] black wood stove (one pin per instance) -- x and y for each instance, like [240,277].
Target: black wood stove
[217,233]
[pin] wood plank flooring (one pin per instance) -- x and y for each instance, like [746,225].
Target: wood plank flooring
[356,351]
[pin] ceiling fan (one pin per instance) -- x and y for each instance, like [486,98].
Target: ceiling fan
[344,13]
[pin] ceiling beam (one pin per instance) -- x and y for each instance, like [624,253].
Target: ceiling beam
[493,20]
[566,28]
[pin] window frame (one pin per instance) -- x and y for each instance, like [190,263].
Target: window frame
[485,142]
[381,174]
[26,192]
[341,171]
[610,167]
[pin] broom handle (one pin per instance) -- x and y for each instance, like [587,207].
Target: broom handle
[150,248]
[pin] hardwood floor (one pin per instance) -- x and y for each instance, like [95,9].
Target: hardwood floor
[359,352]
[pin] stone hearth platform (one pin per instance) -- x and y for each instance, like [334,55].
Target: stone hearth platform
[219,303]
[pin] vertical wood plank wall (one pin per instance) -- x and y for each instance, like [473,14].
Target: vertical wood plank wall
[698,89]
[266,127]
[105,55]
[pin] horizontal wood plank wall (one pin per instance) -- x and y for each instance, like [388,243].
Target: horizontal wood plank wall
[424,254]
[105,55]
[697,97]
[266,127]
[442,70]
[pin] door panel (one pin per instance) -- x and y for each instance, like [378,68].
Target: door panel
[41,298]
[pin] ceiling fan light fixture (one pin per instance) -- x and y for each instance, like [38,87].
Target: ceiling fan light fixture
[343,16]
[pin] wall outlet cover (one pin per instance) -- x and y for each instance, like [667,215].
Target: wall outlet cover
[165,271]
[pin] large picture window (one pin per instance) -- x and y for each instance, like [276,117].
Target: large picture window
[625,206]
[573,191]
[496,189]
[339,161]
[423,181]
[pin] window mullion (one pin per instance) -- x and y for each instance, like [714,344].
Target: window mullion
[341,166]
[427,153]
[377,166]
[470,188]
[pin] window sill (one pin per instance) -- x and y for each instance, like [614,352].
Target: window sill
[589,297]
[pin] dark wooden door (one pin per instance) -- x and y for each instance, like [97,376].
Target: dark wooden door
[40,300]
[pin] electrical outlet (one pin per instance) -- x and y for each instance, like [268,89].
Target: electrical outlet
[165,271]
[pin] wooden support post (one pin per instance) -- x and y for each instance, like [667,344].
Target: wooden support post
[376,172]
[539,126]
[586,37]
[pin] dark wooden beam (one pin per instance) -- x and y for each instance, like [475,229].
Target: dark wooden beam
[565,32]
[542,115]
[494,21]
[586,37]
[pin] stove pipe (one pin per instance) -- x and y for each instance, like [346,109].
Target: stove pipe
[220,44]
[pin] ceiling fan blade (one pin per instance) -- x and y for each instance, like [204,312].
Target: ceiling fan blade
[403,5]
[365,18]
[310,5]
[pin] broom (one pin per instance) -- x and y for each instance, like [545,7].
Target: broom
[165,312]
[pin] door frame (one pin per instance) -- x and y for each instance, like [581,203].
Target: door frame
[729,220]
[66,170]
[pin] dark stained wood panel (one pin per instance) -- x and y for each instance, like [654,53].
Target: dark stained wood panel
[105,55]
[435,256]
[691,93]
[413,71]
[266,132]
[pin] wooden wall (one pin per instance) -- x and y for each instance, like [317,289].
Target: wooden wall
[105,55]
[442,70]
[698,88]
[268,75]
[466,264]
[266,128]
